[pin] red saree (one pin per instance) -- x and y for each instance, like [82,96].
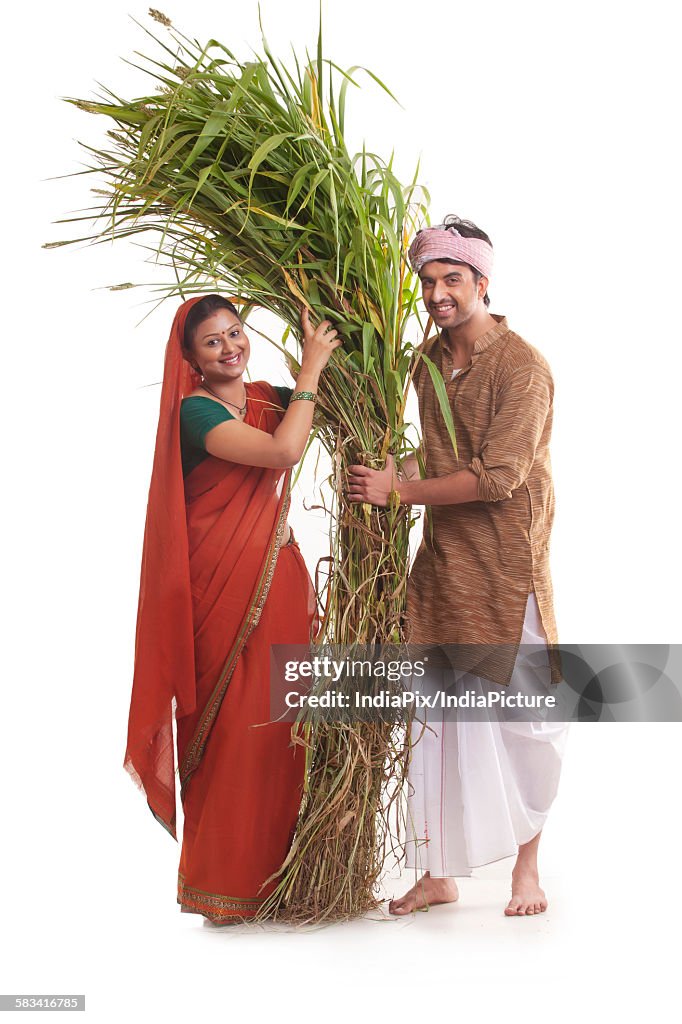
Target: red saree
[216,591]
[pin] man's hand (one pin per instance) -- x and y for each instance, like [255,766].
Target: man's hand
[372,485]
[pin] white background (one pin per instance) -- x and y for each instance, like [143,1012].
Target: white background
[555,128]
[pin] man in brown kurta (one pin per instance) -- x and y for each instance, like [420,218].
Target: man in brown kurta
[484,557]
[480,559]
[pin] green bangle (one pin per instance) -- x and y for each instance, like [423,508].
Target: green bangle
[303,396]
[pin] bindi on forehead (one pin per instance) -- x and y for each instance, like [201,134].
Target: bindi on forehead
[211,334]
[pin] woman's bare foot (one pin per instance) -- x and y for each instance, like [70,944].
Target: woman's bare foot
[426,893]
[527,896]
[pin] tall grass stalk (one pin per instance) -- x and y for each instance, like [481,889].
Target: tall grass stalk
[241,174]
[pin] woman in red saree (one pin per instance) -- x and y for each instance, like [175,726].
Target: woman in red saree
[222,579]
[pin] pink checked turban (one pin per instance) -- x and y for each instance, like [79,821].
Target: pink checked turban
[446,243]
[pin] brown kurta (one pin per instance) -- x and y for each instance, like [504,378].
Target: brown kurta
[479,560]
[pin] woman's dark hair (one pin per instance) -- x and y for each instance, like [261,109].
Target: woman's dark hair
[467,229]
[200,311]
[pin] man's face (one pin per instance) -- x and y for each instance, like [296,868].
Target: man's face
[450,292]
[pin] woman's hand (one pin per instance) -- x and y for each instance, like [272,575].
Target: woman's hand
[318,343]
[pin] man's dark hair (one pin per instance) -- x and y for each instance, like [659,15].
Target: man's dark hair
[467,229]
[201,311]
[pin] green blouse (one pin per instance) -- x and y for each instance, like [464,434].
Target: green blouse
[198,415]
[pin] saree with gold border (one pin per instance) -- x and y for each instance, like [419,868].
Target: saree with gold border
[216,591]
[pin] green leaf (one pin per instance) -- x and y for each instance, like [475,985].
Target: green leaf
[264,149]
[442,396]
[214,126]
[367,340]
[317,180]
[298,181]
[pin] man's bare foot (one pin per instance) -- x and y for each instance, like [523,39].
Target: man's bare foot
[426,893]
[527,896]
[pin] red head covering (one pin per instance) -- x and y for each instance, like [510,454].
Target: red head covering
[164,648]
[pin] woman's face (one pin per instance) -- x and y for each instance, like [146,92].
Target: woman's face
[220,348]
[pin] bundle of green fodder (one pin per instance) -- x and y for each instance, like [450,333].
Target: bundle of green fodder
[242,171]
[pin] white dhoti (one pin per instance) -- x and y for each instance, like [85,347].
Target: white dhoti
[480,789]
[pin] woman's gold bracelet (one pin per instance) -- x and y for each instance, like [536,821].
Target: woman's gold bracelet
[303,396]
